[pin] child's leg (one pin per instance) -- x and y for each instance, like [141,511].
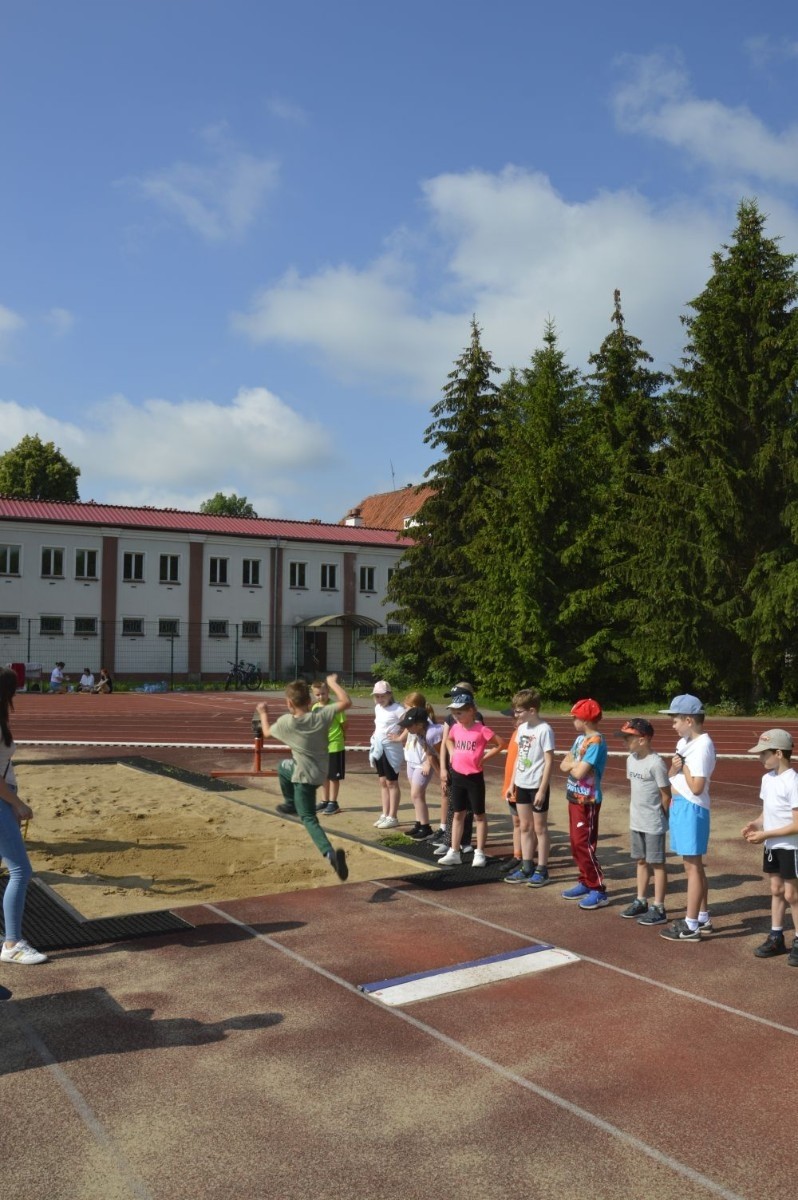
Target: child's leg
[517,847]
[418,796]
[385,797]
[541,823]
[458,821]
[284,772]
[305,803]
[393,797]
[643,878]
[527,833]
[696,886]
[660,883]
[331,792]
[16,859]
[791,897]
[481,823]
[583,821]
[778,902]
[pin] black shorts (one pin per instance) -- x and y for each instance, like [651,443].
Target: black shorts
[385,770]
[336,768]
[531,796]
[468,793]
[781,861]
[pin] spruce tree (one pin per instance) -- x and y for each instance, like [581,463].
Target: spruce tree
[438,583]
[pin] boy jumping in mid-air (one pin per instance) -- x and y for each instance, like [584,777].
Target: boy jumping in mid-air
[306,733]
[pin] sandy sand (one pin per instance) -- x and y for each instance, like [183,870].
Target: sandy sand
[110,839]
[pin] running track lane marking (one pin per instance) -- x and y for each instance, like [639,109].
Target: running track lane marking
[598,962]
[583,1114]
[81,1106]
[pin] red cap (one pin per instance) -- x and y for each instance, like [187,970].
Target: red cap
[587,710]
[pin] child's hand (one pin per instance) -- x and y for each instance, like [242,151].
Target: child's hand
[331,679]
[262,708]
[426,767]
[755,837]
[22,811]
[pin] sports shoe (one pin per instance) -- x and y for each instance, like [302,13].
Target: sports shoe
[466,848]
[439,838]
[439,851]
[773,945]
[22,952]
[792,959]
[420,834]
[381,819]
[451,858]
[337,859]
[680,931]
[577,892]
[331,808]
[512,865]
[656,915]
[479,859]
[519,875]
[635,909]
[288,809]
[706,926]
[389,823]
[595,899]
[540,877]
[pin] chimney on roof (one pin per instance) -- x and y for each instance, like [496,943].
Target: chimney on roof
[353,517]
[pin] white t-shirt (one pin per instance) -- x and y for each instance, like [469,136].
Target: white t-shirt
[87,681]
[699,755]
[56,677]
[533,742]
[779,794]
[387,718]
[415,753]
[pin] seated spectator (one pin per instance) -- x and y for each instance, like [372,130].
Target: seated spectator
[104,684]
[86,681]
[58,680]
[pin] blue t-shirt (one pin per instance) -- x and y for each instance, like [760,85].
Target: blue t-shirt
[590,748]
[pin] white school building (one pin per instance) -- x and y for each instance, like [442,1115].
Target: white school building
[160,594]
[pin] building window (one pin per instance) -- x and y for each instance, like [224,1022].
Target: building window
[132,627]
[395,627]
[86,626]
[218,629]
[218,573]
[9,624]
[52,562]
[169,569]
[297,575]
[51,626]
[329,577]
[85,564]
[169,627]
[367,579]
[250,629]
[251,575]
[9,560]
[132,568]
[391,572]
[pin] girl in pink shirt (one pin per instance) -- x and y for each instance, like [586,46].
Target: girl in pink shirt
[465,748]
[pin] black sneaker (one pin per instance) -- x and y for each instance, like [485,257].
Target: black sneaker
[792,960]
[288,809]
[680,931]
[635,909]
[338,863]
[772,946]
[330,809]
[420,834]
[512,865]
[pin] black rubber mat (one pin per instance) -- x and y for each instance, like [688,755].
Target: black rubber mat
[49,925]
[442,878]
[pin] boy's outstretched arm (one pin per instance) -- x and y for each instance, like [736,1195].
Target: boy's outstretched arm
[342,699]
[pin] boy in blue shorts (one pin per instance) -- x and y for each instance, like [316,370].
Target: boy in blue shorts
[777,828]
[690,771]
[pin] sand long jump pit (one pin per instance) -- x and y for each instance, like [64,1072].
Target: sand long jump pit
[112,840]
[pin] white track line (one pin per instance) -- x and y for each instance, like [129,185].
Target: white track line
[575,1110]
[596,962]
[81,1106]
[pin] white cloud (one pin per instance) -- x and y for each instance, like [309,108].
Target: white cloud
[220,199]
[517,253]
[763,50]
[656,100]
[60,321]
[178,454]
[11,323]
[286,110]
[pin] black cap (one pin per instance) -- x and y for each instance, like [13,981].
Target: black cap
[414,716]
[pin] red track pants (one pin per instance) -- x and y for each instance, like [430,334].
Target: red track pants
[584,823]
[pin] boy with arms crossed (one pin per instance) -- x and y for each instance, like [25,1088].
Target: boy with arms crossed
[306,734]
[777,828]
[584,765]
[690,771]
[649,801]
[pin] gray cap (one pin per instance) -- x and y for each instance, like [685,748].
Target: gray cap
[773,739]
[683,706]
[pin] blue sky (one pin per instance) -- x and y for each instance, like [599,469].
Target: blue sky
[241,242]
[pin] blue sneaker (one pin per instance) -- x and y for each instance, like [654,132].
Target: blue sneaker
[540,877]
[577,892]
[595,899]
[519,875]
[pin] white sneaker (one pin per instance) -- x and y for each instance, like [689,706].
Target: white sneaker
[389,823]
[450,859]
[467,849]
[439,851]
[378,824]
[21,952]
[479,859]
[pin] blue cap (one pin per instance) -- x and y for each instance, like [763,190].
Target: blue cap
[683,706]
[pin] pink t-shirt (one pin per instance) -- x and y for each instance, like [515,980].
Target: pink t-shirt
[467,747]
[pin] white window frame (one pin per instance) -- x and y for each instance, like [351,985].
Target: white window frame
[218,571]
[8,552]
[329,577]
[133,566]
[249,568]
[251,629]
[169,568]
[54,562]
[89,561]
[367,579]
[88,632]
[56,631]
[297,576]
[132,627]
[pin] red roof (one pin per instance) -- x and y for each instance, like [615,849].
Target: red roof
[389,510]
[119,515]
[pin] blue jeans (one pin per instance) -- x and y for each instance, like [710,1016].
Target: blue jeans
[15,857]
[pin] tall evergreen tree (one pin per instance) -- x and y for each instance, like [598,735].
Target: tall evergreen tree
[722,570]
[437,583]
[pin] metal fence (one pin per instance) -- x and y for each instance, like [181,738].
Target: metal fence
[160,651]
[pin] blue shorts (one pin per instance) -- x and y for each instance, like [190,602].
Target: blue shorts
[689,827]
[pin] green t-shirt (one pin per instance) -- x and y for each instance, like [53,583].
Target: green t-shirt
[306,738]
[337,741]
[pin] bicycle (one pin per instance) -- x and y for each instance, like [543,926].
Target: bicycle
[243,674]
